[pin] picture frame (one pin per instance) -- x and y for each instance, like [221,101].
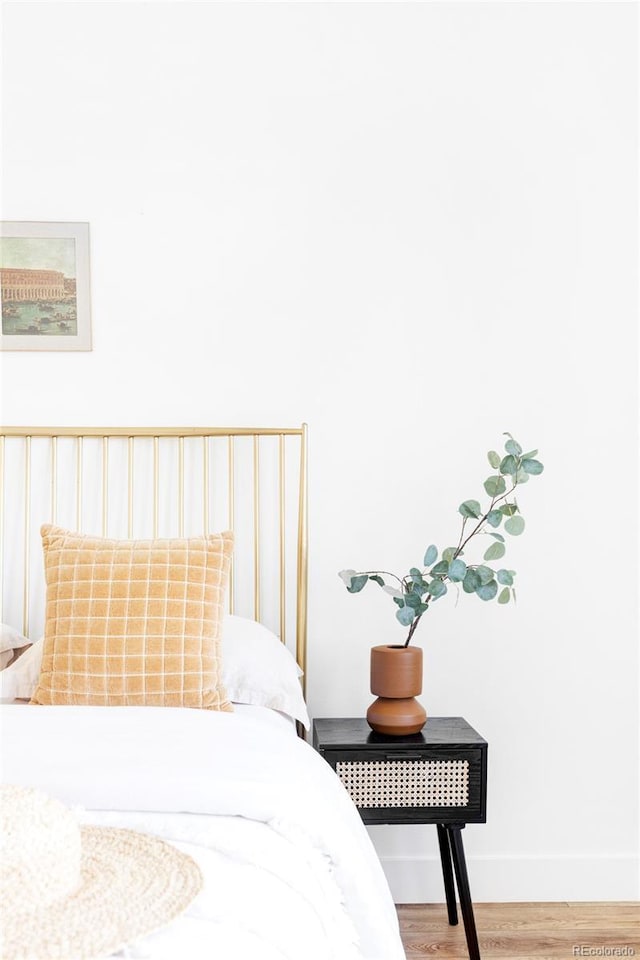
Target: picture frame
[45,300]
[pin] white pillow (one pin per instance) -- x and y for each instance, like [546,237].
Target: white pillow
[10,641]
[20,679]
[256,669]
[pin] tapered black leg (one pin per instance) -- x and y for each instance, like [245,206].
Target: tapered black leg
[447,874]
[462,880]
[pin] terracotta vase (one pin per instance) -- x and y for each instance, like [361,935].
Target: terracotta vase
[396,680]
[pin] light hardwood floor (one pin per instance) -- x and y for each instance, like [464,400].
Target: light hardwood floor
[524,931]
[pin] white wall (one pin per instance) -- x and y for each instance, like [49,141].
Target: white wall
[412,225]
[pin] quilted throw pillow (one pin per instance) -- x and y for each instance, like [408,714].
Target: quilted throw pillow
[133,622]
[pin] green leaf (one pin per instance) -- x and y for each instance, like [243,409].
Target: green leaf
[437,589]
[470,508]
[422,609]
[497,536]
[514,525]
[494,518]
[431,555]
[457,570]
[357,583]
[529,455]
[509,465]
[508,509]
[505,577]
[449,554]
[512,447]
[495,486]
[399,601]
[485,574]
[495,551]
[346,576]
[534,467]
[405,615]
[505,595]
[494,459]
[377,579]
[522,476]
[471,581]
[487,591]
[392,591]
[440,570]
[412,600]
[415,574]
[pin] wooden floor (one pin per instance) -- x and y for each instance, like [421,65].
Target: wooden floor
[524,931]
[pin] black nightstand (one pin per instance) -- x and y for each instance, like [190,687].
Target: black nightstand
[436,776]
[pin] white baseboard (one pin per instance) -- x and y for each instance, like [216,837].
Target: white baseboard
[502,879]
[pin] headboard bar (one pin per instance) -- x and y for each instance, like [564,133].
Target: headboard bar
[79,476]
[302,585]
[152,431]
[27,538]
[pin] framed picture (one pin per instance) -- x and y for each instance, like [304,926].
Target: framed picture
[44,285]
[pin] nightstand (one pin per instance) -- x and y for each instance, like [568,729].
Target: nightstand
[437,776]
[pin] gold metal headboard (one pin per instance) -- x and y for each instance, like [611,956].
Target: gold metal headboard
[112,476]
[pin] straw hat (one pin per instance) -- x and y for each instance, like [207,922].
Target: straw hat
[81,892]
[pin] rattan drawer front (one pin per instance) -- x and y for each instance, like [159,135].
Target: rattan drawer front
[406,783]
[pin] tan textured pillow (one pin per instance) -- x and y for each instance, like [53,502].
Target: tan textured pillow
[133,622]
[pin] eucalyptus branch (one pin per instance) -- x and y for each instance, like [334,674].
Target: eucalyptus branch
[484,518]
[381,573]
[459,547]
[412,629]
[420,586]
[475,530]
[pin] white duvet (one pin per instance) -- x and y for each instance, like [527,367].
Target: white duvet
[290,872]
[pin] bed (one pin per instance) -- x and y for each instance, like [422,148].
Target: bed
[289,870]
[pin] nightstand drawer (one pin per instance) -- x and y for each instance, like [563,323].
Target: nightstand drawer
[432,785]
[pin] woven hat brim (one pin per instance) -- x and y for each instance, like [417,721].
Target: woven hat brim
[131,884]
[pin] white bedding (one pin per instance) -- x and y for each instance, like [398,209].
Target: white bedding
[290,872]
